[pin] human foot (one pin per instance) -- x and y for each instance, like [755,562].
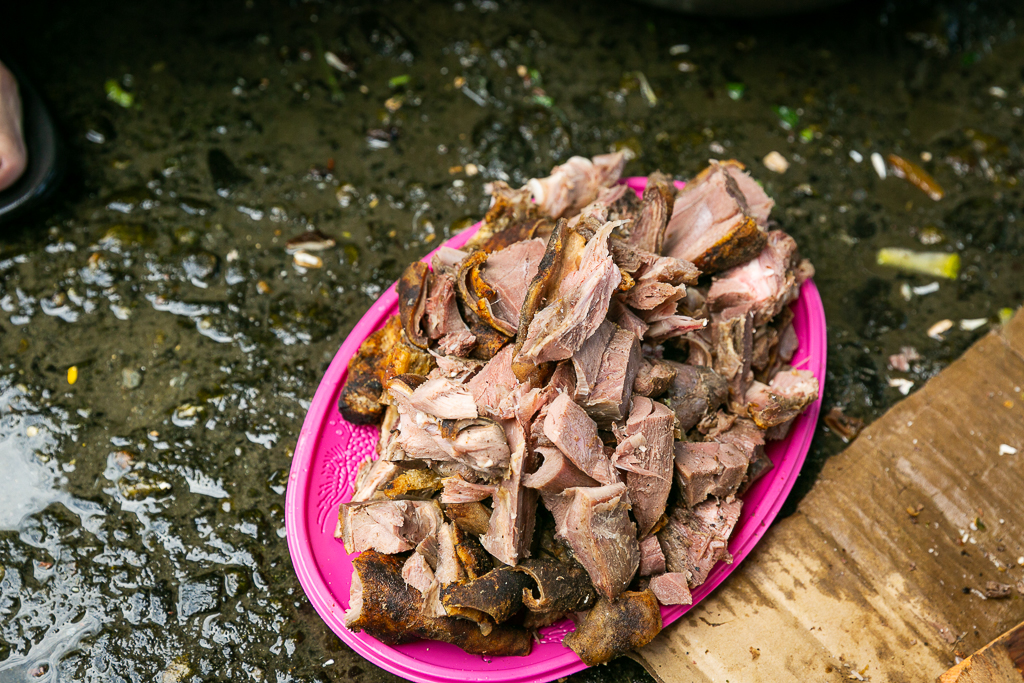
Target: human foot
[13,157]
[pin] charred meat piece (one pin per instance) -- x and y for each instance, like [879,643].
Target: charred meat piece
[782,400]
[615,627]
[559,586]
[609,400]
[718,219]
[654,377]
[359,401]
[474,559]
[696,392]
[595,523]
[648,232]
[764,284]
[387,526]
[472,518]
[510,207]
[383,605]
[649,492]
[695,540]
[420,484]
[412,302]
[498,593]
[579,307]
[518,231]
[477,294]
[671,589]
[708,468]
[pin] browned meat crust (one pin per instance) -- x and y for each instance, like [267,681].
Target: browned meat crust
[470,517]
[498,593]
[559,586]
[359,401]
[414,483]
[474,559]
[387,608]
[412,302]
[616,627]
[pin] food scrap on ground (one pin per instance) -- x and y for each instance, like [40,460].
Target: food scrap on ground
[938,264]
[571,408]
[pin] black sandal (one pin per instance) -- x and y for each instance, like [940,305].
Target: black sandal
[45,153]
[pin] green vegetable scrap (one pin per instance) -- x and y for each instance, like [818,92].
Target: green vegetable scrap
[544,101]
[399,81]
[1005,314]
[788,118]
[735,90]
[118,95]
[807,134]
[934,263]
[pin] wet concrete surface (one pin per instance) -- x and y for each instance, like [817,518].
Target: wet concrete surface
[160,347]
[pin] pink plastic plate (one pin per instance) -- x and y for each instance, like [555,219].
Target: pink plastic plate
[324,467]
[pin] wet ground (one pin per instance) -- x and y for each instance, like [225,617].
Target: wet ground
[160,347]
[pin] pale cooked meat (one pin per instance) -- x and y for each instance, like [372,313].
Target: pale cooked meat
[595,523]
[446,258]
[587,360]
[695,540]
[671,589]
[652,560]
[371,475]
[510,530]
[789,393]
[654,377]
[649,492]
[556,473]
[444,322]
[559,330]
[598,209]
[444,399]
[418,574]
[509,272]
[575,183]
[609,400]
[493,383]
[387,526]
[615,627]
[449,569]
[708,468]
[569,428]
[458,490]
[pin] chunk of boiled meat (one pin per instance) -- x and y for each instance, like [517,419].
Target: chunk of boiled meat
[418,574]
[598,209]
[587,360]
[383,605]
[458,490]
[387,526]
[694,540]
[595,523]
[615,627]
[444,399]
[648,231]
[493,383]
[653,378]
[569,428]
[609,400]
[556,473]
[671,589]
[652,560]
[708,468]
[788,394]
[509,272]
[718,219]
[696,392]
[444,322]
[649,492]
[733,338]
[575,183]
[764,284]
[579,307]
[510,530]
[370,476]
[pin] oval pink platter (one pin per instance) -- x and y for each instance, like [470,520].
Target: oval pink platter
[324,466]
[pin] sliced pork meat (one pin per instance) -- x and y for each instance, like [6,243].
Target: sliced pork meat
[449,569]
[609,400]
[387,526]
[664,327]
[559,587]
[652,560]
[649,492]
[595,523]
[509,273]
[598,209]
[579,307]
[696,392]
[457,369]
[615,627]
[654,377]
[443,320]
[627,319]
[789,393]
[444,399]
[493,383]
[587,361]
[695,540]
[498,594]
[418,574]
[575,183]
[671,589]
[648,232]
[764,284]
[383,605]
[569,428]
[510,530]
[458,490]
[708,468]
[744,435]
[718,219]
[447,259]
[372,474]
[733,336]
[556,473]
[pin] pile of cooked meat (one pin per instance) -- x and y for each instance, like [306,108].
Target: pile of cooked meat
[571,408]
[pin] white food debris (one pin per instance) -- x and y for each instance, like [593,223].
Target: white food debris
[879,163]
[906,292]
[472,169]
[1006,449]
[680,49]
[926,289]
[856,156]
[904,385]
[31,430]
[996,91]
[972,323]
[938,329]
[775,162]
[306,260]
